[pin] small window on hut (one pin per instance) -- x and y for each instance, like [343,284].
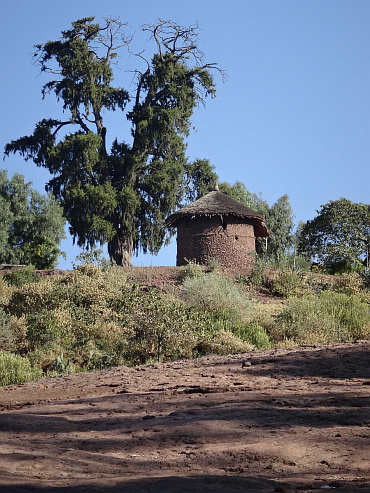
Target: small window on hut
[223,222]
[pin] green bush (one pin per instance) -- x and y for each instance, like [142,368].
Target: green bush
[14,369]
[189,271]
[289,283]
[213,292]
[257,275]
[253,334]
[20,277]
[7,335]
[352,283]
[221,342]
[327,318]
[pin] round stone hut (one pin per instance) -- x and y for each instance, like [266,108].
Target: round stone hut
[217,227]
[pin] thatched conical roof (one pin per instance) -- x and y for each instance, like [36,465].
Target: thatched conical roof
[218,204]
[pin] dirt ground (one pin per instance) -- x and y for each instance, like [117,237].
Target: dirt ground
[284,420]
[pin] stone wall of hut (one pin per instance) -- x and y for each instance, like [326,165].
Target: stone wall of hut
[230,240]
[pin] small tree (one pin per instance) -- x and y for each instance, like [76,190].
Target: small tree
[339,236]
[31,224]
[122,194]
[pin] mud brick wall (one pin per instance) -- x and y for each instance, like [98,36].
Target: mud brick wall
[230,240]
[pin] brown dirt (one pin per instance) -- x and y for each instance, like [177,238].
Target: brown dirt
[277,420]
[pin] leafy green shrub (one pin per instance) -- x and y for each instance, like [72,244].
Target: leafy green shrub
[213,292]
[31,298]
[352,283]
[289,283]
[213,264]
[16,369]
[253,334]
[20,277]
[94,257]
[189,271]
[327,318]
[164,329]
[257,275]
[5,292]
[7,334]
[349,311]
[221,342]
[61,365]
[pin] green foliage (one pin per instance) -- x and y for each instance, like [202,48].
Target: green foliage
[61,365]
[121,195]
[327,318]
[221,342]
[95,257]
[257,275]
[216,293]
[92,318]
[279,220]
[162,329]
[15,369]
[289,283]
[7,337]
[191,270]
[253,334]
[339,236]
[97,319]
[23,275]
[238,192]
[213,264]
[32,224]
[43,253]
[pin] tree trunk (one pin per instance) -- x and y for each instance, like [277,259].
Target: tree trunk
[120,250]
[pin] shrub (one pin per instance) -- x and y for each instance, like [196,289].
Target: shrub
[22,276]
[94,257]
[15,369]
[253,334]
[189,271]
[213,292]
[221,342]
[213,264]
[7,337]
[327,318]
[257,275]
[352,283]
[365,275]
[349,311]
[163,329]
[289,283]
[31,297]
[6,292]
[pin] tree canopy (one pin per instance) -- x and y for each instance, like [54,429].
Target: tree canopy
[339,236]
[31,224]
[121,193]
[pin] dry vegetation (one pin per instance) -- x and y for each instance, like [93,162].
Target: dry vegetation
[93,318]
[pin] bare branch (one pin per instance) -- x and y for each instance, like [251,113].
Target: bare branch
[114,32]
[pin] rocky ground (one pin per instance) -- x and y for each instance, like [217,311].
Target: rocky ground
[285,420]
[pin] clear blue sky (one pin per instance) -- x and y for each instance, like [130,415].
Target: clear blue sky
[293,116]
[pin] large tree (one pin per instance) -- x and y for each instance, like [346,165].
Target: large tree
[339,234]
[31,224]
[121,193]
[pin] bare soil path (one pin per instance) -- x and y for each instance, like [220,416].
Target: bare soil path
[288,420]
